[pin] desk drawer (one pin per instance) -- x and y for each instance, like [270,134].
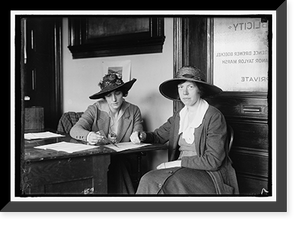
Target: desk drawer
[61,176]
[79,186]
[58,170]
[65,176]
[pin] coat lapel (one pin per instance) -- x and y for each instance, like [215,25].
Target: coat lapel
[103,117]
[124,123]
[103,122]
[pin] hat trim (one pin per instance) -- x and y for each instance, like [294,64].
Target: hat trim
[175,81]
[101,94]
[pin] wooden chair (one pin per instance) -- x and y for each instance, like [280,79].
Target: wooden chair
[67,121]
[230,137]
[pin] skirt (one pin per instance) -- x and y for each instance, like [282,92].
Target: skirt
[176,181]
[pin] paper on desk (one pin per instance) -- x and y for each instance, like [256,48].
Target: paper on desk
[41,135]
[122,146]
[66,147]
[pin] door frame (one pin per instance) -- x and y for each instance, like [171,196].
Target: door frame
[20,68]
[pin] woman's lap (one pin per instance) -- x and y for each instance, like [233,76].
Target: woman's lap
[176,180]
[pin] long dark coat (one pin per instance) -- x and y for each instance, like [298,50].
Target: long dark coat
[211,146]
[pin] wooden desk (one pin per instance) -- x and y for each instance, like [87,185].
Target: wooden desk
[50,172]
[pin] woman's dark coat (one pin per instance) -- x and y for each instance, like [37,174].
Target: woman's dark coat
[211,146]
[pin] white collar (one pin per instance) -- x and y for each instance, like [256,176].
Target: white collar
[187,129]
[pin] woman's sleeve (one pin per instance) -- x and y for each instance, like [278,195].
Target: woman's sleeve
[84,125]
[214,152]
[162,134]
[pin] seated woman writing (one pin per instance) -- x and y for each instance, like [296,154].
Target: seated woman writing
[111,119]
[197,136]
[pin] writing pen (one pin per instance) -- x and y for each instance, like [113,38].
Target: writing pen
[106,139]
[111,142]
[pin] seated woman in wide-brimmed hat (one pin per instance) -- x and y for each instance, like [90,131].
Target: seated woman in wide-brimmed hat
[199,162]
[111,119]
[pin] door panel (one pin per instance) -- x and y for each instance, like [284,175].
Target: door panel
[43,76]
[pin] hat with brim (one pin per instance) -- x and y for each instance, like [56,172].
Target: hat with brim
[169,88]
[112,82]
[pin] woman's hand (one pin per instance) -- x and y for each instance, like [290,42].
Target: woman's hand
[94,138]
[171,164]
[137,137]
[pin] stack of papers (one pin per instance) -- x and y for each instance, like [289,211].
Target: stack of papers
[122,146]
[76,147]
[67,147]
[41,135]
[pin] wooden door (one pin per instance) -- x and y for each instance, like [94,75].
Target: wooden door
[42,64]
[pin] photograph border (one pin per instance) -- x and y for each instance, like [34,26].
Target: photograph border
[281,203]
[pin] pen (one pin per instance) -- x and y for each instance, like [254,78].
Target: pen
[111,142]
[107,139]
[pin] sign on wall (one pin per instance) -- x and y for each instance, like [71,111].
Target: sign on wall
[241,50]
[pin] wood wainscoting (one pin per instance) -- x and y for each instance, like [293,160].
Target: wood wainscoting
[247,114]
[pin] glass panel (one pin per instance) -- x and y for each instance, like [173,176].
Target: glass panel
[241,54]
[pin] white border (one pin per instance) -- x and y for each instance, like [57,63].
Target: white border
[142,199]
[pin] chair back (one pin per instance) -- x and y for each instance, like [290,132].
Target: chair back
[67,121]
[230,132]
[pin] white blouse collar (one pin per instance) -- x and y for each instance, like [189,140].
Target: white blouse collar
[187,129]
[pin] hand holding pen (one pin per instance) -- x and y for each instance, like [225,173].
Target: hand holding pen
[99,137]
[112,138]
[93,138]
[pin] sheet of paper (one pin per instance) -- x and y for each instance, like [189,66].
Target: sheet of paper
[122,146]
[41,135]
[66,147]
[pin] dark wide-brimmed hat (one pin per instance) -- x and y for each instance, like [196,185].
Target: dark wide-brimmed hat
[112,82]
[169,88]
